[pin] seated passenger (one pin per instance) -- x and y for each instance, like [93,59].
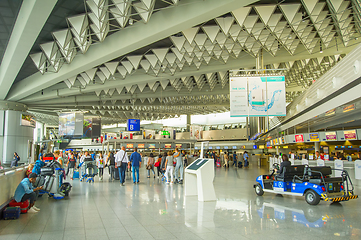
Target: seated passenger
[29,170]
[25,191]
[285,163]
[37,166]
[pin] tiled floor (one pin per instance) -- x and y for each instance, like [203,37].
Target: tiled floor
[154,210]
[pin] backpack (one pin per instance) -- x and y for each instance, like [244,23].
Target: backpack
[65,188]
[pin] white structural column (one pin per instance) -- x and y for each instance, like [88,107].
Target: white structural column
[14,137]
[31,19]
[162,24]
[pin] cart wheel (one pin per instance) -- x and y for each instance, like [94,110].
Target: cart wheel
[312,197]
[258,189]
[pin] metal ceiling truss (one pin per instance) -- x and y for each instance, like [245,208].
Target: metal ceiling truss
[313,24]
[100,18]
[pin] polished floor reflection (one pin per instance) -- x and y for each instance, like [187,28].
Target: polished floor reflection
[154,210]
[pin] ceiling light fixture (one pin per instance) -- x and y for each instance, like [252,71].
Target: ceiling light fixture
[321,51]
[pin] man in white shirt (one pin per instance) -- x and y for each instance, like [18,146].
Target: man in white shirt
[122,162]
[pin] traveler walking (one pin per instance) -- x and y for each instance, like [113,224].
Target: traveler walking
[157,164]
[235,158]
[226,164]
[150,165]
[122,162]
[179,166]
[169,165]
[246,158]
[71,165]
[100,163]
[111,165]
[136,160]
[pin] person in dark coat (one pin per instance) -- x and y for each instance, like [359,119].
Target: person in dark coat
[285,163]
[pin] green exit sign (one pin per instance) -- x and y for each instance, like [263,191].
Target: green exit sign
[165,133]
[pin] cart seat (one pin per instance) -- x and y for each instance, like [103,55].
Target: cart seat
[318,172]
[318,181]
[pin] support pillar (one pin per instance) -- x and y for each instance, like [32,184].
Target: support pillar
[14,137]
[317,146]
[189,122]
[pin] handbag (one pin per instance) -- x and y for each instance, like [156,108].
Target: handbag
[157,164]
[149,167]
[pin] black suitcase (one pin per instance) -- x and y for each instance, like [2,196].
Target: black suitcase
[46,171]
[39,181]
[116,174]
[240,165]
[11,213]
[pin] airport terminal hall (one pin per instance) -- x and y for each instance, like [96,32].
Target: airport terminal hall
[180,119]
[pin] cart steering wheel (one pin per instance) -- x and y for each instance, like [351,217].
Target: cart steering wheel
[274,166]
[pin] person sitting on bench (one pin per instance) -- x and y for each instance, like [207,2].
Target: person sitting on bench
[25,191]
[285,163]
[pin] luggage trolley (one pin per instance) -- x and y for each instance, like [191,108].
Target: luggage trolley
[89,169]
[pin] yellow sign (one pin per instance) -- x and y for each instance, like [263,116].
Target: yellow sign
[314,137]
[330,112]
[349,108]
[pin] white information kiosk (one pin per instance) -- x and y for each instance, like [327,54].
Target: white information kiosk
[358,169]
[199,179]
[339,166]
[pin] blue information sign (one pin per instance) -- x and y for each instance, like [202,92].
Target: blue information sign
[133,125]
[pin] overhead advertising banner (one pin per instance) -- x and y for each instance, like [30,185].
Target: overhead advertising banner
[178,145]
[167,145]
[149,134]
[350,135]
[79,121]
[96,127]
[87,127]
[196,132]
[257,96]
[349,108]
[91,127]
[129,145]
[141,145]
[331,136]
[314,137]
[299,138]
[27,120]
[330,112]
[151,145]
[66,124]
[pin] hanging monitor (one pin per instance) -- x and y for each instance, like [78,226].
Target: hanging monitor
[257,96]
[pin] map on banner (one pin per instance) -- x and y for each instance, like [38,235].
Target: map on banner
[257,96]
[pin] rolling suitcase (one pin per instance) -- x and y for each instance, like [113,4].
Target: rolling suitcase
[76,174]
[218,164]
[240,164]
[23,205]
[11,213]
